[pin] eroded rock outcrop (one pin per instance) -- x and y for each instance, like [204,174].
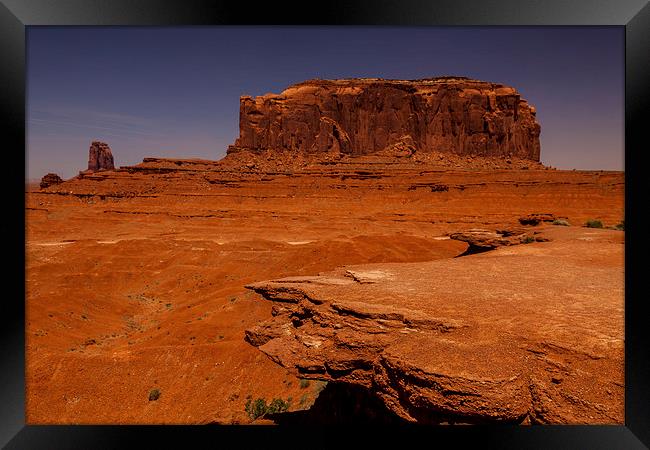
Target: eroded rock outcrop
[396,117]
[100,157]
[480,240]
[50,179]
[537,218]
[504,336]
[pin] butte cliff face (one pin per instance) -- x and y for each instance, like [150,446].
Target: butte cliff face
[371,116]
[100,157]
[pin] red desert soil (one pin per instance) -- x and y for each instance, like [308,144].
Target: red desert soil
[136,281]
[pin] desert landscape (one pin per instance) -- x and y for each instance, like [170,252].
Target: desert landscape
[369,250]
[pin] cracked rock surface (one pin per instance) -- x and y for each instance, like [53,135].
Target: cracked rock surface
[530,333]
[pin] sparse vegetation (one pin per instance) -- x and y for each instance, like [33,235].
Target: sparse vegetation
[593,223]
[527,239]
[277,405]
[255,409]
[561,222]
[304,383]
[316,387]
[621,226]
[259,408]
[319,386]
[154,394]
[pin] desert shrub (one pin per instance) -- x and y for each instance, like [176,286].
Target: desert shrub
[304,383]
[593,223]
[154,394]
[259,408]
[527,240]
[277,405]
[561,222]
[255,409]
[621,226]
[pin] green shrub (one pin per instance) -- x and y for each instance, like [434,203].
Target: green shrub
[621,226]
[259,408]
[277,405]
[593,223]
[154,394]
[304,383]
[255,409]
[561,222]
[527,240]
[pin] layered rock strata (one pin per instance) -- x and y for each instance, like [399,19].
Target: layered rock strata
[537,218]
[503,336]
[391,117]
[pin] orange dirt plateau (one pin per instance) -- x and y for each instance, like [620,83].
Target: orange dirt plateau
[136,280]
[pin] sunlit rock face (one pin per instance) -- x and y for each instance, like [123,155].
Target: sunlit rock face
[370,116]
[100,157]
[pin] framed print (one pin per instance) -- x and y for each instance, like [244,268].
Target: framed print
[249,222]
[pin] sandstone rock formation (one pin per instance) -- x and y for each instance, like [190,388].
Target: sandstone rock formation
[482,240]
[460,340]
[537,218]
[100,157]
[50,179]
[396,117]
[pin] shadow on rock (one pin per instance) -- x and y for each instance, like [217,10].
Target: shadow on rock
[341,404]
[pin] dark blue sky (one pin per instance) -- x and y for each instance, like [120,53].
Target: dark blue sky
[174,92]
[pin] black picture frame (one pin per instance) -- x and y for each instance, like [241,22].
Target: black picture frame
[15,15]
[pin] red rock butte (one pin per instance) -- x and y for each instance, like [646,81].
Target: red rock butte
[372,116]
[100,157]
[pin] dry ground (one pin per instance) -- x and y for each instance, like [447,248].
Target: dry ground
[135,278]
